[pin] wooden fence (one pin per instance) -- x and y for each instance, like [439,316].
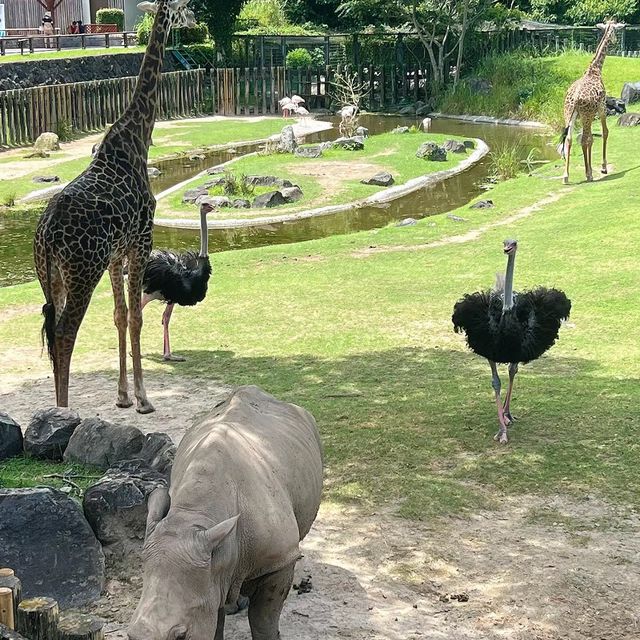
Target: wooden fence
[83,107]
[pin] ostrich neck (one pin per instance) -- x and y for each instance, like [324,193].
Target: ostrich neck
[508,283]
[204,236]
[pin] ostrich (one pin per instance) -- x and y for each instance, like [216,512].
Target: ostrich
[504,326]
[179,278]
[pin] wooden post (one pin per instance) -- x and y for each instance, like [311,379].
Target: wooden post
[8,579]
[6,607]
[79,626]
[38,618]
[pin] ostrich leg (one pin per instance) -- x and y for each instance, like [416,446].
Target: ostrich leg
[508,418]
[166,318]
[501,436]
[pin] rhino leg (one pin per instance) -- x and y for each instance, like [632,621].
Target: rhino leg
[266,603]
[220,627]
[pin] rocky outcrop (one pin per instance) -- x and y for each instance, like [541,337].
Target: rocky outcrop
[454,146]
[49,432]
[431,151]
[269,200]
[47,142]
[382,179]
[291,194]
[309,152]
[287,142]
[629,120]
[11,441]
[351,144]
[630,92]
[191,195]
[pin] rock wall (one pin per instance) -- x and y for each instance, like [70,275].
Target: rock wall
[21,75]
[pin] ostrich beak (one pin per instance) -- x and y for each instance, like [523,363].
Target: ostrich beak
[510,246]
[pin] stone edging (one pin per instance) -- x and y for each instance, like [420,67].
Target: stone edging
[529,124]
[379,198]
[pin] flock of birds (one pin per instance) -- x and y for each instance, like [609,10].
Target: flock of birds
[500,324]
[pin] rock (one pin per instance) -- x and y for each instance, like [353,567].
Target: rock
[241,203]
[196,157]
[116,509]
[38,154]
[614,106]
[400,130]
[479,85]
[419,104]
[482,204]
[263,181]
[329,144]
[630,92]
[351,144]
[469,144]
[158,452]
[216,182]
[46,540]
[431,151]
[456,218]
[362,132]
[426,124]
[212,171]
[629,120]
[154,172]
[219,201]
[454,146]
[191,195]
[11,442]
[47,142]
[102,444]
[287,143]
[423,111]
[49,432]
[382,179]
[291,194]
[407,222]
[268,200]
[309,152]
[46,179]
[407,111]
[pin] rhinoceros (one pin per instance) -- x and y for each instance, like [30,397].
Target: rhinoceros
[245,490]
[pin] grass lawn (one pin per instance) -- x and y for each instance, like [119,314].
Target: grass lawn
[534,88]
[334,178]
[170,138]
[69,53]
[357,329]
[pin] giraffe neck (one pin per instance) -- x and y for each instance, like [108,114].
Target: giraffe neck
[138,120]
[601,52]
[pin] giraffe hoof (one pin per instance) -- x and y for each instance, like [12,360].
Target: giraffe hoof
[589,178]
[604,171]
[565,180]
[124,403]
[145,408]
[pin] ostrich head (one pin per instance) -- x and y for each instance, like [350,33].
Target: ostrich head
[179,13]
[510,247]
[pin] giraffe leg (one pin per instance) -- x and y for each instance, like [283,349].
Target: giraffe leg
[120,320]
[587,142]
[65,339]
[567,146]
[605,136]
[59,296]
[137,262]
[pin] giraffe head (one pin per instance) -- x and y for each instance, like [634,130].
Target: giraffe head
[610,28]
[179,13]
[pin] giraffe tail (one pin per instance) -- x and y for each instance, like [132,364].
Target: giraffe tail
[560,147]
[49,313]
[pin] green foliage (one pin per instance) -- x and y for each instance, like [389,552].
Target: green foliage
[194,35]
[220,16]
[505,162]
[111,16]
[143,28]
[8,199]
[64,131]
[299,59]
[593,11]
[235,185]
[286,30]
[264,13]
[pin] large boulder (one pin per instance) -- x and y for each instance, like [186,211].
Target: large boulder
[362,132]
[407,111]
[630,92]
[382,179]
[116,509]
[101,444]
[46,179]
[454,146]
[158,452]
[191,195]
[241,203]
[49,432]
[11,442]
[263,181]
[356,143]
[218,201]
[431,151]
[400,130]
[291,194]
[309,152]
[47,142]
[268,200]
[287,142]
[614,106]
[46,540]
[629,120]
[424,110]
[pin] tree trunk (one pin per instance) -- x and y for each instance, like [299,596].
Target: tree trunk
[79,626]
[38,618]
[463,33]
[8,579]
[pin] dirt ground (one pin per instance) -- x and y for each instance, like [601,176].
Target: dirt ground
[536,569]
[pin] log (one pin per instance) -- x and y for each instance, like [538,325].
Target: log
[8,579]
[79,626]
[38,618]
[6,607]
[9,634]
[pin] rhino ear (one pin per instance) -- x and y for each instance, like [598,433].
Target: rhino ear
[158,505]
[214,536]
[148,7]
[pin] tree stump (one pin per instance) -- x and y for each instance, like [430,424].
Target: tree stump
[38,618]
[8,579]
[6,607]
[9,634]
[79,626]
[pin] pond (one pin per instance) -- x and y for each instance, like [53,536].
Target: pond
[16,234]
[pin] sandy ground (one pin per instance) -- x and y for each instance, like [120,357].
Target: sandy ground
[535,569]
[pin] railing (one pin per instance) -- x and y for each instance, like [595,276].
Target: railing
[58,40]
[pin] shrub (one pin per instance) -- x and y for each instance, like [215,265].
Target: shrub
[263,13]
[64,131]
[143,28]
[111,16]
[505,162]
[299,59]
[9,199]
[194,35]
[317,57]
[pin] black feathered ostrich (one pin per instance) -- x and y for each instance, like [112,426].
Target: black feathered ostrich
[179,278]
[504,326]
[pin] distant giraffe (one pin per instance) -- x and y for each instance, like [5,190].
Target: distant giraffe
[103,217]
[585,99]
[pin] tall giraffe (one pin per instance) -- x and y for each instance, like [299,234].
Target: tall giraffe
[585,99]
[103,217]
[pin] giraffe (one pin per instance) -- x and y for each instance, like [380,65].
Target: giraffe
[585,99]
[103,217]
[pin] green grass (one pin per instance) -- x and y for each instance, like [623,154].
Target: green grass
[68,53]
[357,329]
[530,88]
[395,153]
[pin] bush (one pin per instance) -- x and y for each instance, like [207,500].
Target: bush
[299,59]
[263,13]
[194,35]
[111,16]
[143,28]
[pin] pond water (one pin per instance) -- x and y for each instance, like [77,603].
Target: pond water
[16,234]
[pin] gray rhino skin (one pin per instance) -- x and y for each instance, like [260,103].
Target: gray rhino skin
[245,490]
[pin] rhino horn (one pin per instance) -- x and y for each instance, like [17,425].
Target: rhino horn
[157,507]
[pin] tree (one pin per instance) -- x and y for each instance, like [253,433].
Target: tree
[220,16]
[50,6]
